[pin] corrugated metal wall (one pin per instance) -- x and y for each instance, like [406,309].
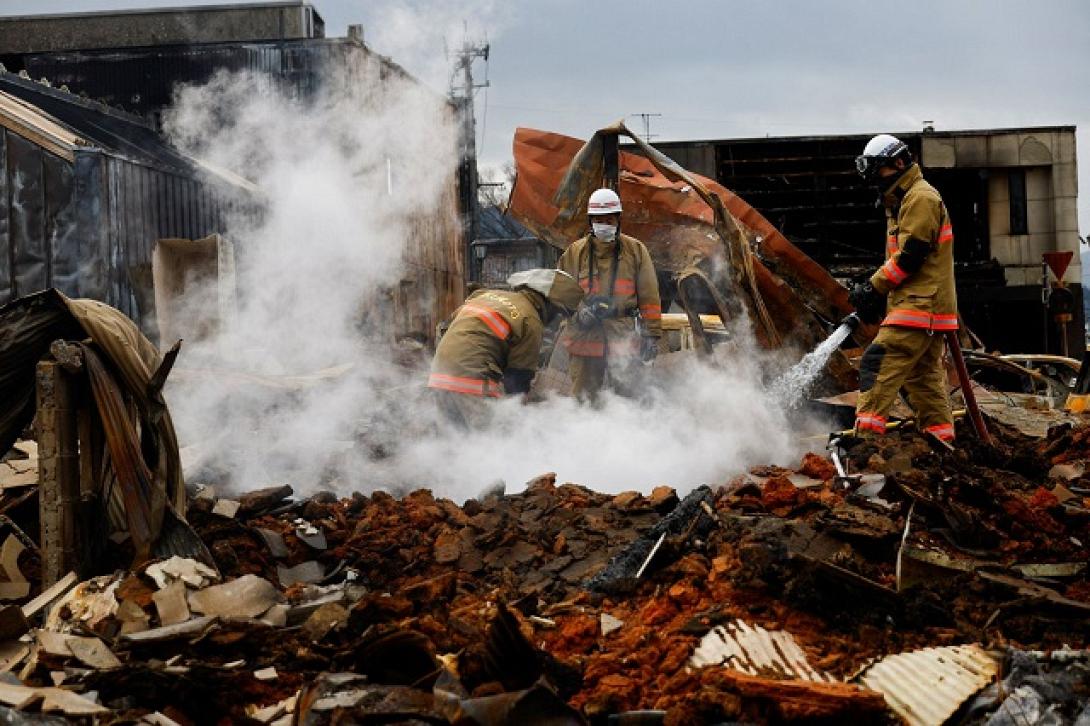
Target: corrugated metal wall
[88,227]
[145,204]
[37,216]
[123,207]
[143,80]
[434,281]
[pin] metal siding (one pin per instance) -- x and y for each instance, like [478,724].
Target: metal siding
[31,271]
[91,199]
[7,252]
[60,224]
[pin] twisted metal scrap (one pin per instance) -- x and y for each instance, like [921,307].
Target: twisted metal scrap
[585,174]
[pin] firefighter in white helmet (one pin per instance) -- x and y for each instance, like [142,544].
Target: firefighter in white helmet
[491,347]
[912,295]
[620,321]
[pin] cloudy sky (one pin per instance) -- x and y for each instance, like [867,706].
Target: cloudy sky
[723,68]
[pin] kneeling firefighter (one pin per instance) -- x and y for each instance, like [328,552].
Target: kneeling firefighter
[912,295]
[491,347]
[619,324]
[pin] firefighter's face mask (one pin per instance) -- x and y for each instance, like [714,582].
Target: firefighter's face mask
[604,231]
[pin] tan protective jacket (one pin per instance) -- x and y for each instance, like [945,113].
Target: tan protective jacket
[636,289]
[925,299]
[493,331]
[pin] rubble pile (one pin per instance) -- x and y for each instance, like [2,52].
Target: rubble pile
[779,595]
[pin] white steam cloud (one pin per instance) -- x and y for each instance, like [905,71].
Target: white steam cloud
[345,176]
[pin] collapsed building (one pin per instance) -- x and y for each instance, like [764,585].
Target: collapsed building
[900,581]
[121,70]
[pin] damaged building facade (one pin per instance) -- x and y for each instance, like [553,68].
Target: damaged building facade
[85,191]
[131,61]
[1011,194]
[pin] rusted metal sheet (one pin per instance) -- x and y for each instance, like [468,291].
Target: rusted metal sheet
[752,650]
[657,211]
[677,224]
[925,687]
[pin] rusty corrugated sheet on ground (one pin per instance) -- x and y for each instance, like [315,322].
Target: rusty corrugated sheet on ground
[925,687]
[755,651]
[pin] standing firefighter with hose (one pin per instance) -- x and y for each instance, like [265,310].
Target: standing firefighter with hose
[491,347]
[912,295]
[619,324]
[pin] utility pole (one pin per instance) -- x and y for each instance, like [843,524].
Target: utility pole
[647,135]
[462,90]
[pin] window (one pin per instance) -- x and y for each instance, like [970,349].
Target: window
[1017,195]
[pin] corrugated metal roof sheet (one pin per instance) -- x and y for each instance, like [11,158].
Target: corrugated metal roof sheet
[927,686]
[755,651]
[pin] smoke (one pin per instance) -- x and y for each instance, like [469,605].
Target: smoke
[699,423]
[307,387]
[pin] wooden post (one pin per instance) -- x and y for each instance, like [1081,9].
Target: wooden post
[58,470]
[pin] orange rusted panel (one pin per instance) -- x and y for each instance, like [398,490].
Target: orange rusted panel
[672,220]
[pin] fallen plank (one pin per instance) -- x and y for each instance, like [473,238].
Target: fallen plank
[55,591]
[795,700]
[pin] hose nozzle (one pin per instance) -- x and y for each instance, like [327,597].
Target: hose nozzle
[852,321]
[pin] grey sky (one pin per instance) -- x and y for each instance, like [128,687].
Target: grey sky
[722,68]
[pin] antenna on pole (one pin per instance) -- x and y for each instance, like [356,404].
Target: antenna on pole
[462,90]
[646,118]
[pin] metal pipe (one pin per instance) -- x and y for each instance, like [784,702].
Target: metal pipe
[966,388]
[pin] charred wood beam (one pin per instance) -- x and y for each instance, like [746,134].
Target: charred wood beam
[58,470]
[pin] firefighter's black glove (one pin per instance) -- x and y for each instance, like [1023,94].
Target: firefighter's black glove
[592,312]
[649,348]
[868,302]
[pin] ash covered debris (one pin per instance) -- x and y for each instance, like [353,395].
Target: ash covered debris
[422,609]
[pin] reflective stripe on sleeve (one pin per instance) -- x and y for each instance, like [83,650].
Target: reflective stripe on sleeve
[946,233]
[651,312]
[891,244]
[894,272]
[469,386]
[491,318]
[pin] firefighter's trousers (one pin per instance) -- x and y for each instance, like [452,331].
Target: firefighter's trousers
[909,359]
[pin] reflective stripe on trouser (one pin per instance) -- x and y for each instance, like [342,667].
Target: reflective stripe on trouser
[467,386]
[912,360]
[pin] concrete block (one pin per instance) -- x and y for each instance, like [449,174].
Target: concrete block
[1065,147]
[1003,248]
[1065,212]
[1035,149]
[1037,245]
[1016,275]
[1003,150]
[999,218]
[938,153]
[998,187]
[1039,183]
[1065,179]
[971,150]
[1039,216]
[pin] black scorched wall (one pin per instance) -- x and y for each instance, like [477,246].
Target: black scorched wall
[88,226]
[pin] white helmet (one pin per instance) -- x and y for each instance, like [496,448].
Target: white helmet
[604,201]
[556,286]
[880,151]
